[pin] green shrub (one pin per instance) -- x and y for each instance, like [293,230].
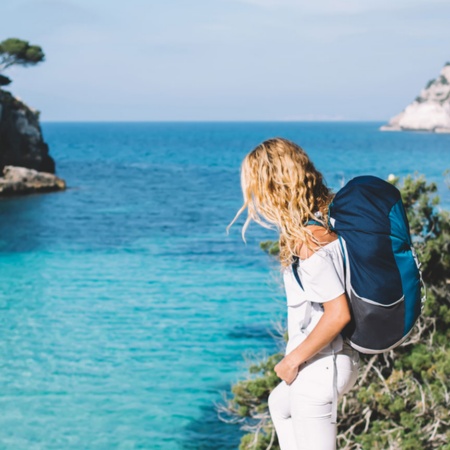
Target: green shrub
[430,83]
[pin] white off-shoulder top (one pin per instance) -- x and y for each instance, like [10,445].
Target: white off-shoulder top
[323,279]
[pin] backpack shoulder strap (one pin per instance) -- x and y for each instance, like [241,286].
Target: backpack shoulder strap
[295,272]
[314,222]
[297,260]
[344,257]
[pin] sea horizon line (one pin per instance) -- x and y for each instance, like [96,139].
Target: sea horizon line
[349,121]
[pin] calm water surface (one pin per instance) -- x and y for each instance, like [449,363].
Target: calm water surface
[125,310]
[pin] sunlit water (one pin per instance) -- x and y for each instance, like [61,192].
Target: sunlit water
[125,310]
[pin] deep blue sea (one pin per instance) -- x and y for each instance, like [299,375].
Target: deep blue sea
[125,309]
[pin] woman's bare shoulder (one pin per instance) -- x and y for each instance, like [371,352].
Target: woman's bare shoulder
[320,237]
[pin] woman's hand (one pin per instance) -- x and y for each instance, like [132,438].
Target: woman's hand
[336,316]
[286,370]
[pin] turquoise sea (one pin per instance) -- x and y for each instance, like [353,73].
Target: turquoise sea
[125,309]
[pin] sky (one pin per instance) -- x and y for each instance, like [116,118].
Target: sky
[226,60]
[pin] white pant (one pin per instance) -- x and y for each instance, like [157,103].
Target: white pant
[301,412]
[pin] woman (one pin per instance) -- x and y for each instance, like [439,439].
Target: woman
[283,189]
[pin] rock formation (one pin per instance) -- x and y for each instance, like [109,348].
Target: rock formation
[24,160]
[21,142]
[20,180]
[430,111]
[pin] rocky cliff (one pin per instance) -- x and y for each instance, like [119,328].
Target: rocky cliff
[21,142]
[430,111]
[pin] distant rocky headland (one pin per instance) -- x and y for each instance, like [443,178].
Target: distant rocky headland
[22,147]
[430,111]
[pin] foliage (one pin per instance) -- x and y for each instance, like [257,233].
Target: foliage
[430,83]
[4,81]
[249,405]
[443,80]
[15,51]
[270,247]
[402,398]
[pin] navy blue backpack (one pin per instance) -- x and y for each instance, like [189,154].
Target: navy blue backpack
[383,279]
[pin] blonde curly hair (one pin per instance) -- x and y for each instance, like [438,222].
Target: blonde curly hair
[283,189]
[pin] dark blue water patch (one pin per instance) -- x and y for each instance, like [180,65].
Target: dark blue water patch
[351,148]
[116,208]
[91,220]
[209,433]
[253,331]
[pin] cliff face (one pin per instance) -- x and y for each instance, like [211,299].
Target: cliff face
[21,142]
[430,111]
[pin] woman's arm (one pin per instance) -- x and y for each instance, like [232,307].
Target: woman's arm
[336,315]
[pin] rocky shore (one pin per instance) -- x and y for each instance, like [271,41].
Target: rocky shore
[22,146]
[430,111]
[20,180]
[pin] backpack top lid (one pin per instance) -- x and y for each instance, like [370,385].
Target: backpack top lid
[368,213]
[364,204]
